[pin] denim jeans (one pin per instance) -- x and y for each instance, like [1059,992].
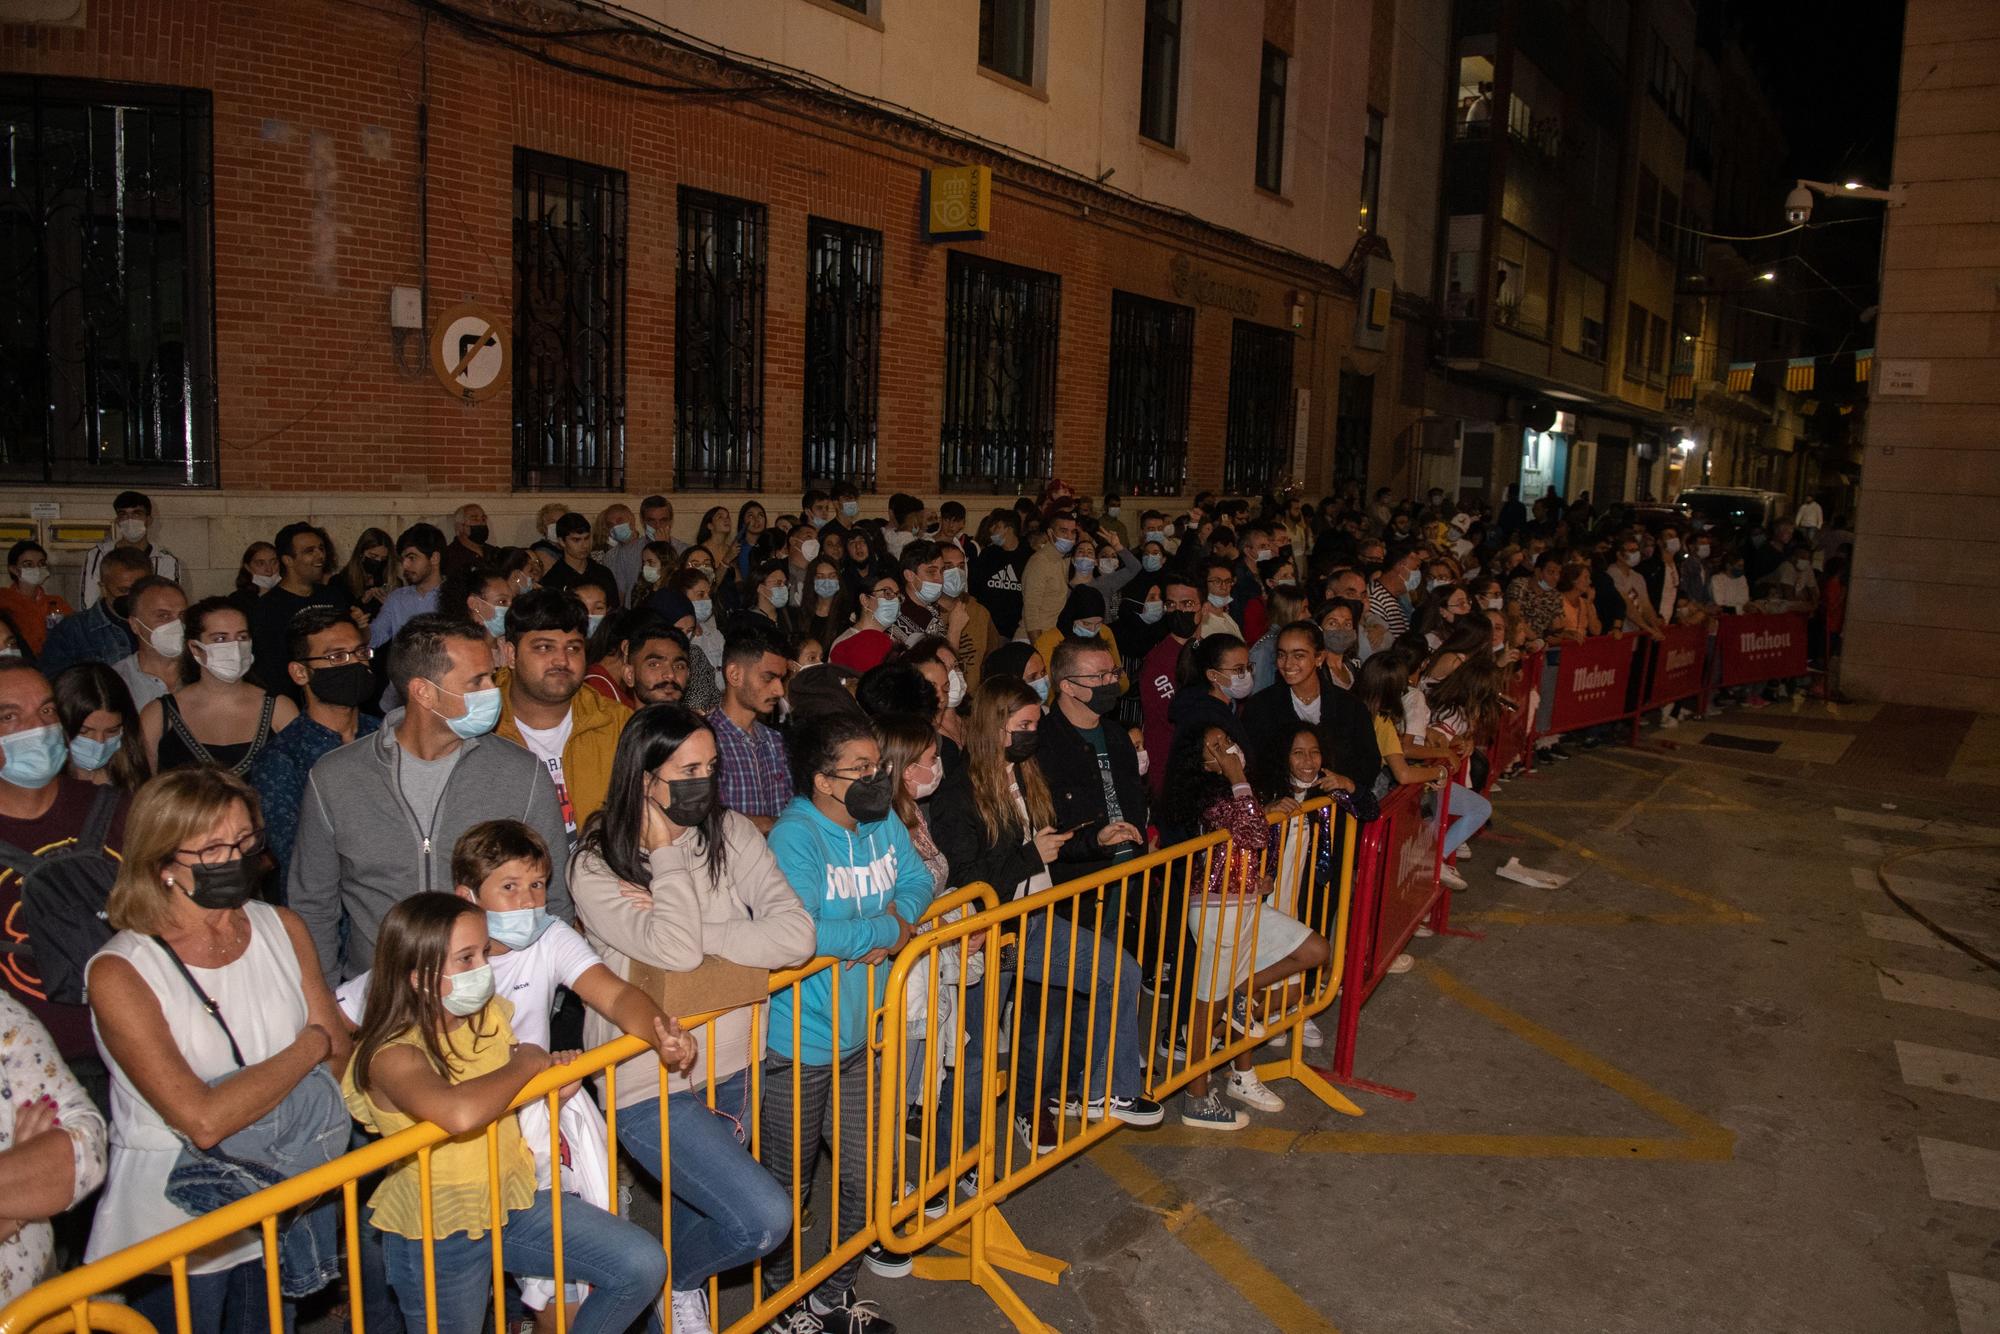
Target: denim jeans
[1469,811]
[1112,964]
[727,1210]
[230,1301]
[623,1264]
[969,1067]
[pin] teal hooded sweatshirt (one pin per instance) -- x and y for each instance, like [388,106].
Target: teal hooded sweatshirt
[849,881]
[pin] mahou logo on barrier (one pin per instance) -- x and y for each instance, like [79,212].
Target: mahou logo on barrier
[1591,682]
[1588,685]
[1763,647]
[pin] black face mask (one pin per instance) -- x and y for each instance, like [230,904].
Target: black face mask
[121,607]
[345,686]
[1103,698]
[478,533]
[227,884]
[1021,745]
[374,565]
[1180,624]
[868,798]
[690,801]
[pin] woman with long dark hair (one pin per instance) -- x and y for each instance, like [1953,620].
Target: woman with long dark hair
[214,715]
[366,576]
[102,726]
[664,878]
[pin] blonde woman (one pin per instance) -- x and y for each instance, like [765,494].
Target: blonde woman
[210,1012]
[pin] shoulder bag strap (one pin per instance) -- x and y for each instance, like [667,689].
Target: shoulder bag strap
[207,1003]
[97,824]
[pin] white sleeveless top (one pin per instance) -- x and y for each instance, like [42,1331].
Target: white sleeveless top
[264,1000]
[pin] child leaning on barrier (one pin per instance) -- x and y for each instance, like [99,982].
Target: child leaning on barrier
[1244,945]
[850,861]
[502,866]
[436,1044]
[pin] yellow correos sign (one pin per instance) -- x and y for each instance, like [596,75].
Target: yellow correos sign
[958,202]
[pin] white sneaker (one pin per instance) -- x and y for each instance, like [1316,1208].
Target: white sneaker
[1246,1088]
[1453,878]
[1464,854]
[1528,875]
[1402,963]
[1424,931]
[1311,1036]
[691,1311]
[1668,718]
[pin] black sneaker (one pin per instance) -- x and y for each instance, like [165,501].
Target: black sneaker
[887,1263]
[796,1319]
[846,1315]
[1139,1111]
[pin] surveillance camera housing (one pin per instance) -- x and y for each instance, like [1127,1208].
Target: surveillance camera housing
[1798,206]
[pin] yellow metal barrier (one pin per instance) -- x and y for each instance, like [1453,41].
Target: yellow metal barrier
[920,1201]
[1143,895]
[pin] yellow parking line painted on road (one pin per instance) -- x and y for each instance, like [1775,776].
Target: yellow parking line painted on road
[1271,1295]
[1626,871]
[1675,774]
[1516,917]
[1275,1140]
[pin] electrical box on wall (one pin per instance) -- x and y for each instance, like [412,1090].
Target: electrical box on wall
[406,308]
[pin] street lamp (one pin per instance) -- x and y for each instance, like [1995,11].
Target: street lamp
[1799,203]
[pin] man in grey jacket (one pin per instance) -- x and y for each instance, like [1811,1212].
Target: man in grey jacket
[380,815]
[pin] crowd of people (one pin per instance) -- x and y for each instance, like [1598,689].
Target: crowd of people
[367,843]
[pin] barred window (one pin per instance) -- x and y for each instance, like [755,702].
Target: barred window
[1146,410]
[1260,401]
[719,345]
[1001,330]
[569,323]
[843,330]
[107,327]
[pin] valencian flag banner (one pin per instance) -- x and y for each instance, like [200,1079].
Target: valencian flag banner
[1864,362]
[1799,373]
[1741,375]
[1593,680]
[1761,647]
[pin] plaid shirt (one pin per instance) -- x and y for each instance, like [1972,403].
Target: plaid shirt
[754,775]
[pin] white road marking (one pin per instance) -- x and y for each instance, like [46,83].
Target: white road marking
[1870,848]
[1978,1303]
[1961,1173]
[1900,930]
[1949,1071]
[1928,891]
[1978,999]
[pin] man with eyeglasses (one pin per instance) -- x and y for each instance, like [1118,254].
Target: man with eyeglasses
[1219,579]
[329,660]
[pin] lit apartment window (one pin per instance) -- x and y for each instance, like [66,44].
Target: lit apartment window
[719,344]
[1146,408]
[106,365]
[569,323]
[1160,72]
[1001,328]
[1007,38]
[1371,174]
[1271,121]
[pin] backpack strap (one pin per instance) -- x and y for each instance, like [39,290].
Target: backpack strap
[207,1003]
[97,824]
[19,860]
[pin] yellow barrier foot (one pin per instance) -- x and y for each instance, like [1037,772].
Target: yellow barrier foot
[1296,1070]
[981,1260]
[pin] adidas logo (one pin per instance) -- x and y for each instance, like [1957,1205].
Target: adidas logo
[1004,580]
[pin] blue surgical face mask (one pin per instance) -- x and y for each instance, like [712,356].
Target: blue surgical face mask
[1083,630]
[781,595]
[34,757]
[929,591]
[819,521]
[1152,562]
[91,754]
[621,532]
[496,623]
[470,991]
[954,581]
[591,625]
[887,610]
[1085,565]
[518,928]
[482,710]
[850,508]
[1157,536]
[1064,545]
[1149,612]
[1218,599]
[826,588]
[1410,580]
[1041,688]
[703,608]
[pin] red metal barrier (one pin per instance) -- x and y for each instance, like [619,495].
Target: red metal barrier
[1761,647]
[1594,682]
[1396,887]
[1514,739]
[1677,667]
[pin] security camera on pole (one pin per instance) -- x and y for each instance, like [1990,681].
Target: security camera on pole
[1799,203]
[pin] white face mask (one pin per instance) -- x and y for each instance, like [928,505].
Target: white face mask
[926,782]
[955,694]
[168,640]
[227,662]
[34,576]
[132,530]
[1145,763]
[266,582]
